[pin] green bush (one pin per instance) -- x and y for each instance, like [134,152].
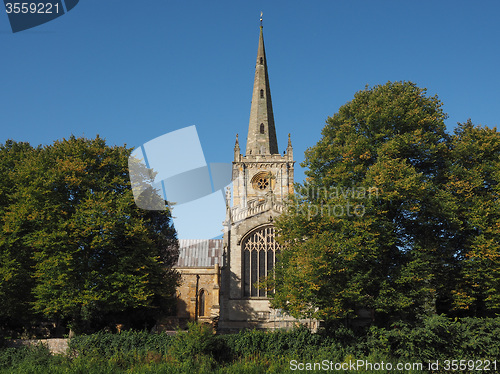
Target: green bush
[479,337]
[198,350]
[198,344]
[25,359]
[438,338]
[105,344]
[271,343]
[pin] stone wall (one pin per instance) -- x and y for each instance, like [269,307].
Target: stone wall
[55,346]
[208,281]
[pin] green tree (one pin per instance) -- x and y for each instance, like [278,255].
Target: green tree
[15,258]
[93,251]
[369,228]
[474,180]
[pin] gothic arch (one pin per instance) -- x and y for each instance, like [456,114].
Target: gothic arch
[202,303]
[259,249]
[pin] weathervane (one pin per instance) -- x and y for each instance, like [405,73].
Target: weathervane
[261,19]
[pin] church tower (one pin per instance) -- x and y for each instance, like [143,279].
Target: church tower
[262,178]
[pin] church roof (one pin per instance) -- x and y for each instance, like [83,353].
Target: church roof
[199,253]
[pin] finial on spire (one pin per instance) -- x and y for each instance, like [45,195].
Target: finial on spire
[261,13]
[289,149]
[237,149]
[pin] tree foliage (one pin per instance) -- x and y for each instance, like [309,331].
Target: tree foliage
[473,180]
[395,215]
[15,259]
[71,231]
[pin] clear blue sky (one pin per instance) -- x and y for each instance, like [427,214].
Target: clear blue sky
[131,71]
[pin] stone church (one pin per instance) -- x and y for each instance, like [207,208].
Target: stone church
[220,277]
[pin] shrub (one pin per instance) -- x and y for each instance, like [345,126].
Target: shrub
[438,338]
[22,358]
[198,341]
[198,350]
[105,344]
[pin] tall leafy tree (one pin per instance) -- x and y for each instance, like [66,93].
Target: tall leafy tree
[93,251]
[474,180]
[15,258]
[370,226]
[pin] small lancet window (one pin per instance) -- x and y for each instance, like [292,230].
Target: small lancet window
[201,304]
[261,60]
[262,128]
[261,94]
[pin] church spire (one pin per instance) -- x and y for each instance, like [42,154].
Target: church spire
[237,149]
[261,131]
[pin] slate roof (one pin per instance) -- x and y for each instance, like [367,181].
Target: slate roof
[199,252]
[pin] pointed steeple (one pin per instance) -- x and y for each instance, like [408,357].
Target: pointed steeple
[289,148]
[261,138]
[237,149]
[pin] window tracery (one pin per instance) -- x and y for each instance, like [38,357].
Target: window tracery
[259,257]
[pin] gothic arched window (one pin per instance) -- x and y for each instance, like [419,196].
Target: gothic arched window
[201,304]
[259,257]
[262,128]
[261,94]
[261,60]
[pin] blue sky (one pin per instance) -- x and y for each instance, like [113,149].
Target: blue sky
[131,71]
